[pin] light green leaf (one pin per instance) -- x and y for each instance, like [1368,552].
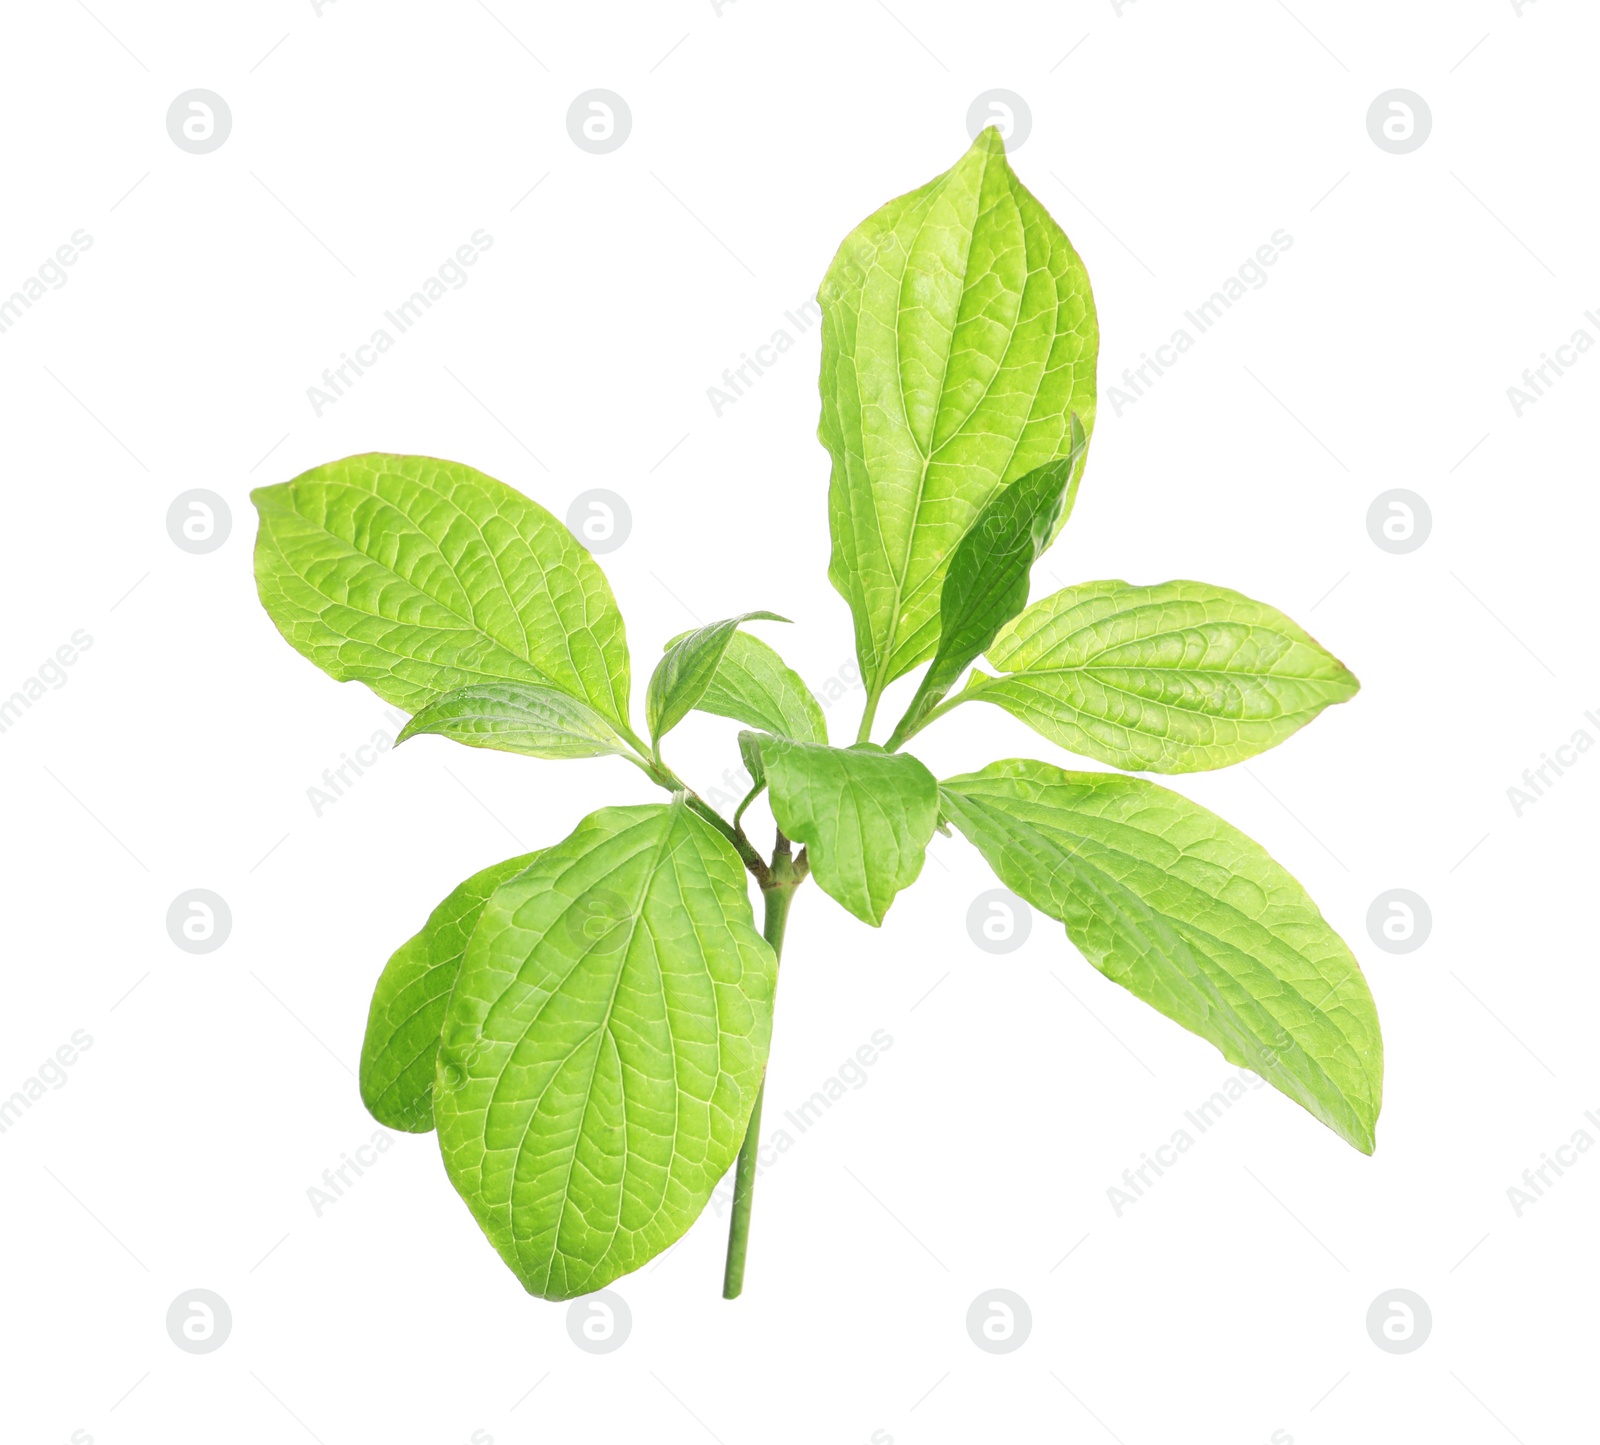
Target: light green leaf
[958,335]
[864,815]
[604,1045]
[986,584]
[418,577]
[683,675]
[1169,678]
[1186,912]
[519,717]
[401,1048]
[753,685]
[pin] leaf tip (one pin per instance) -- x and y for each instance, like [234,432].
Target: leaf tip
[259,496]
[1364,1138]
[989,141]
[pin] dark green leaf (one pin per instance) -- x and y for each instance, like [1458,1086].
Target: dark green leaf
[986,582]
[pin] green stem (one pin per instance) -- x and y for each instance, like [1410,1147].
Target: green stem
[741,844]
[906,728]
[864,733]
[663,776]
[786,877]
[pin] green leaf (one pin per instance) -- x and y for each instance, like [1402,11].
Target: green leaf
[753,685]
[1169,678]
[683,675]
[604,1045]
[518,717]
[1186,912]
[418,577]
[958,335]
[401,1048]
[986,584]
[864,815]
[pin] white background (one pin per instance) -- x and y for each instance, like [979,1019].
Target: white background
[369,142]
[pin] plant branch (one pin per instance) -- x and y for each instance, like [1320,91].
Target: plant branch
[786,875]
[864,732]
[801,865]
[663,776]
[742,845]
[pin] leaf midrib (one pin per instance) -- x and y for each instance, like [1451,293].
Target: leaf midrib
[926,584]
[886,653]
[1147,604]
[1102,674]
[603,1030]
